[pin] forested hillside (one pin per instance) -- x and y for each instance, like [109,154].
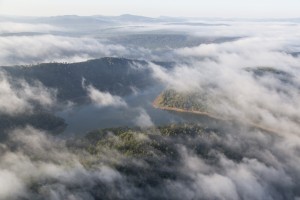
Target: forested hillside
[189,101]
[116,75]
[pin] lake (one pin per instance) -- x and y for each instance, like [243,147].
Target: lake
[84,118]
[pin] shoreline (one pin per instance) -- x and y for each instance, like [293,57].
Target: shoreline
[156,105]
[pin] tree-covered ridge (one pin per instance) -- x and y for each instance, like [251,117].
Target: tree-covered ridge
[263,72]
[260,71]
[189,101]
[40,120]
[151,142]
[115,75]
[149,158]
[148,162]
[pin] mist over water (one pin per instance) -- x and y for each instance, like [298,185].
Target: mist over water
[248,72]
[84,118]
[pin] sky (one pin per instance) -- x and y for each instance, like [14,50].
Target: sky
[155,8]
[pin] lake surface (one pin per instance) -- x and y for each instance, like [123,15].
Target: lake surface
[84,118]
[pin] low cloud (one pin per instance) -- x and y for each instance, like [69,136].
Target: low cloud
[232,162]
[18,96]
[103,99]
[143,119]
[223,73]
[49,48]
[13,27]
[45,162]
[251,80]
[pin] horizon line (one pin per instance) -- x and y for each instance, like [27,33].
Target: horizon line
[151,17]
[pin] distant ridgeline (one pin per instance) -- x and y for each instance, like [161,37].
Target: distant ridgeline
[269,71]
[115,75]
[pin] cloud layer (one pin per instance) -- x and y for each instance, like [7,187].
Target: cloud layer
[232,164]
[103,99]
[40,160]
[18,96]
[7,27]
[228,74]
[49,48]
[253,80]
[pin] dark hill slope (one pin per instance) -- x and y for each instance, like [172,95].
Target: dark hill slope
[116,75]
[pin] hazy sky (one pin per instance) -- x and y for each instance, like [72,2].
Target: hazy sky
[190,8]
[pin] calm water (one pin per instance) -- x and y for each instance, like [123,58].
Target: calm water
[85,118]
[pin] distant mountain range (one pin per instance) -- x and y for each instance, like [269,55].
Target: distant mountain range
[128,18]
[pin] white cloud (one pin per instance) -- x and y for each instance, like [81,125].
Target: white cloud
[220,71]
[143,119]
[49,48]
[17,96]
[10,185]
[268,166]
[12,27]
[103,99]
[39,158]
